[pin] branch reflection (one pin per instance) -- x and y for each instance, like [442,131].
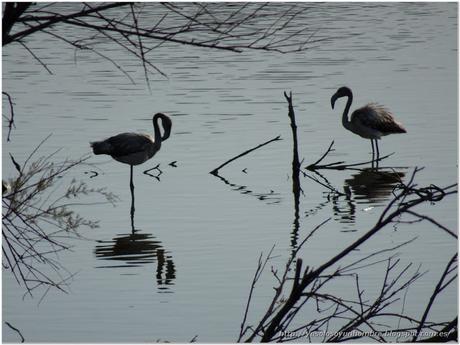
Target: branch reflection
[269,197]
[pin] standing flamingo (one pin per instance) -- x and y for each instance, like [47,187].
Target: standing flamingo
[370,122]
[134,148]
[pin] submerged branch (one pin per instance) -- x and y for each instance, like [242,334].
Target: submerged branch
[296,187]
[295,145]
[340,165]
[216,170]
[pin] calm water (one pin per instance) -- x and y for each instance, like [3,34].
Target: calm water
[186,271]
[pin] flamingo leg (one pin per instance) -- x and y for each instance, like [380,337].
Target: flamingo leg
[377,146]
[131,185]
[373,151]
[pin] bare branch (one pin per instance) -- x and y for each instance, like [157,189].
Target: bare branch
[36,57]
[360,312]
[436,292]
[54,19]
[11,119]
[431,220]
[340,165]
[216,170]
[16,330]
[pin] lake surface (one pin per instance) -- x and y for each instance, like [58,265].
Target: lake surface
[187,269]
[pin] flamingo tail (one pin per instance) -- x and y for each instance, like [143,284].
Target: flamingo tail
[101,148]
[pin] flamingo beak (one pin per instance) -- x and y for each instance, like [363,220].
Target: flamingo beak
[333,99]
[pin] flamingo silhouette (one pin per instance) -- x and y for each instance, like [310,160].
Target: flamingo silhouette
[370,122]
[134,148]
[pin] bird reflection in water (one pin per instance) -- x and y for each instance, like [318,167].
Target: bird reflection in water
[136,249]
[374,186]
[344,208]
[370,186]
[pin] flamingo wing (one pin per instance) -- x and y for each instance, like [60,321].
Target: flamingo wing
[377,117]
[129,143]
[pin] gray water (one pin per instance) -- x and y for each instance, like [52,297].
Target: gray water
[187,269]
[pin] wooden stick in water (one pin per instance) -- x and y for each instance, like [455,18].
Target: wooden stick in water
[216,170]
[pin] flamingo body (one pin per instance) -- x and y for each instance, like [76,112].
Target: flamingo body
[372,121]
[128,148]
[134,148]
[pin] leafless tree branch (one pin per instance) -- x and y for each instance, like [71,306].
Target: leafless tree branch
[216,170]
[360,315]
[11,124]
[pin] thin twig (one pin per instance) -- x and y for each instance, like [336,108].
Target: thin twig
[329,149]
[15,329]
[35,57]
[11,123]
[340,164]
[436,292]
[216,170]
[431,220]
[260,268]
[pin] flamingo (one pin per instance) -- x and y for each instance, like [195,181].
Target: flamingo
[134,148]
[370,122]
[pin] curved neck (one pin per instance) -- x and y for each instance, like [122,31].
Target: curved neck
[156,130]
[345,121]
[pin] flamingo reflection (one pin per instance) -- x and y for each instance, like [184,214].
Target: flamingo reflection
[374,186]
[136,249]
[371,187]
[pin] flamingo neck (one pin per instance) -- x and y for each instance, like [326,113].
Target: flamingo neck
[345,121]
[156,131]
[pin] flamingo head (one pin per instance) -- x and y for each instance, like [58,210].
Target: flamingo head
[341,92]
